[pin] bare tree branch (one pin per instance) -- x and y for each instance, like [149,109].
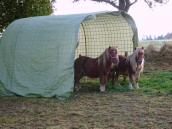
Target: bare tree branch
[133,2]
[162,1]
[125,5]
[150,3]
[111,2]
[128,4]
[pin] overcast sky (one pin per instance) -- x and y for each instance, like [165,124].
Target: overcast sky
[153,22]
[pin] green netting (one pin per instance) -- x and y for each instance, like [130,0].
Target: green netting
[37,53]
[104,30]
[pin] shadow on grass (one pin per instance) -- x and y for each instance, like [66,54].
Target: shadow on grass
[93,86]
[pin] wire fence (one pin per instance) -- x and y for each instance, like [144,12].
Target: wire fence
[104,31]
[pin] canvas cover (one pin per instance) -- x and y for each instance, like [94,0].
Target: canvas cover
[37,55]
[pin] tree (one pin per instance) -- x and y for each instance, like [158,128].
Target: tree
[124,5]
[11,10]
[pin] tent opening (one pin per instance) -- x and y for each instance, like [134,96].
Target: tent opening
[102,31]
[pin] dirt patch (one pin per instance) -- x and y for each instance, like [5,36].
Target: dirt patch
[88,111]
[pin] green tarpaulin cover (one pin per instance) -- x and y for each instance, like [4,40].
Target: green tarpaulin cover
[37,55]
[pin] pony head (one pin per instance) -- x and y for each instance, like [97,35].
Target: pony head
[113,55]
[109,55]
[139,55]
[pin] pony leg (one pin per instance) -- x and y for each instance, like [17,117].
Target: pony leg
[116,79]
[103,82]
[137,79]
[113,77]
[124,77]
[137,85]
[77,85]
[131,81]
[130,86]
[102,88]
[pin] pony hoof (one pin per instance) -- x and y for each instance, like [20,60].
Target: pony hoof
[76,89]
[137,86]
[102,88]
[130,87]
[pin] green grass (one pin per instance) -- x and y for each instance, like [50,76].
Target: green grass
[158,83]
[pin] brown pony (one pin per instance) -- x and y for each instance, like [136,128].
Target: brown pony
[121,69]
[95,67]
[132,66]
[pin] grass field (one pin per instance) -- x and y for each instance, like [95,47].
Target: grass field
[156,43]
[156,83]
[149,107]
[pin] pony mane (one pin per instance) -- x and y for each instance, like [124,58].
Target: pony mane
[131,58]
[102,59]
[134,54]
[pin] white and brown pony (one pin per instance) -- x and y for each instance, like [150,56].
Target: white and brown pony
[131,66]
[136,66]
[95,67]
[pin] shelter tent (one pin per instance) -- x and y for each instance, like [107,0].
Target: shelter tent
[37,53]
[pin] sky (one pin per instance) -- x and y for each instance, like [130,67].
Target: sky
[150,21]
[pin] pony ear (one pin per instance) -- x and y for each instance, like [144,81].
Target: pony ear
[142,47]
[109,47]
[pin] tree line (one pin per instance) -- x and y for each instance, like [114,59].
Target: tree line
[160,37]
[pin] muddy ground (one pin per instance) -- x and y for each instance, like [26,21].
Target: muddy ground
[90,109]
